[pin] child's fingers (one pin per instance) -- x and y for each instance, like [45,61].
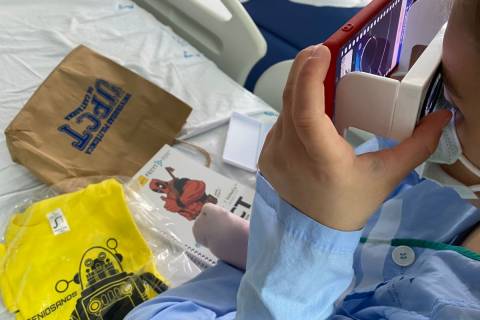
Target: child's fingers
[312,125]
[293,74]
[399,161]
[289,90]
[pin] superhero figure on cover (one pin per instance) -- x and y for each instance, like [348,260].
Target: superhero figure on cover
[182,195]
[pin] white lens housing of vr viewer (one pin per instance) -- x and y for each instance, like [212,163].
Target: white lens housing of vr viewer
[385,106]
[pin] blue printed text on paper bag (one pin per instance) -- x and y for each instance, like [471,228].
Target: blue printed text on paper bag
[97,112]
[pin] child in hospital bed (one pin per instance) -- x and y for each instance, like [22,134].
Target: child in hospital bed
[419,253]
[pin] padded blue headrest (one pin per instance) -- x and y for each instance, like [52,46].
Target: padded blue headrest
[297,24]
[289,27]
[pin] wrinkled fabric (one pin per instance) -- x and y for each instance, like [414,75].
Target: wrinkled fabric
[441,283]
[285,246]
[62,252]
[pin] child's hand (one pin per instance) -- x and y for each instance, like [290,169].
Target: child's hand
[316,170]
[225,234]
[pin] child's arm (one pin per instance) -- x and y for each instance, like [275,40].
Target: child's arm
[299,262]
[296,267]
[288,252]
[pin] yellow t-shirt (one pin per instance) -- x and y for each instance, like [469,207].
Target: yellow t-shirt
[77,256]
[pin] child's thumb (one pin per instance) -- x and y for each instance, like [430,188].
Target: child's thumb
[402,159]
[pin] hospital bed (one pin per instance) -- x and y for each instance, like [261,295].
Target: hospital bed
[36,35]
[222,30]
[254,43]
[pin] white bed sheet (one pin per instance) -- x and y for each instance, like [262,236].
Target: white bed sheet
[36,35]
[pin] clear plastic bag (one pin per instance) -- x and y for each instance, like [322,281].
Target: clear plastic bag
[94,252]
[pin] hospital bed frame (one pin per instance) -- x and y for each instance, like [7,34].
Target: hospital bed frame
[234,43]
[231,40]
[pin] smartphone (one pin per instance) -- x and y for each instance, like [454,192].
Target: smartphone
[370,42]
[435,97]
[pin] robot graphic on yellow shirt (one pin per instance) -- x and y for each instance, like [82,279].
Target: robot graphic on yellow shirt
[109,292]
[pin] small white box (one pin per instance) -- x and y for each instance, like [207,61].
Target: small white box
[244,142]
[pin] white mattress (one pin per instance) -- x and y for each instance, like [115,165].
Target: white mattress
[36,35]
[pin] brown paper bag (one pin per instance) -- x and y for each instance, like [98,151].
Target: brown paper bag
[93,117]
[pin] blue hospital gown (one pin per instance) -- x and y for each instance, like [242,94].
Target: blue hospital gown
[405,264]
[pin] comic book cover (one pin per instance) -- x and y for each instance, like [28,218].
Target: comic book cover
[179,187]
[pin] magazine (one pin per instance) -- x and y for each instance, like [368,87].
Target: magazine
[179,187]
